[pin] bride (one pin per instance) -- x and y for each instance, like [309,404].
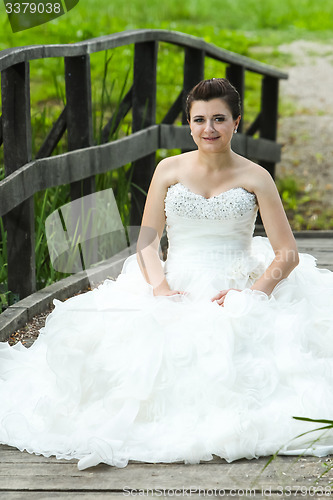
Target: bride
[209,353]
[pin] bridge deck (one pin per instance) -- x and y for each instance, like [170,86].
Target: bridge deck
[25,476]
[320,247]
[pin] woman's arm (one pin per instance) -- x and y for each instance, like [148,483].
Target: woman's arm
[278,232]
[152,225]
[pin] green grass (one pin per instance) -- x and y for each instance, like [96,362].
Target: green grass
[90,19]
[305,210]
[236,25]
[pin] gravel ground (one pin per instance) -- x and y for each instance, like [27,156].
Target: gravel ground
[29,333]
[305,135]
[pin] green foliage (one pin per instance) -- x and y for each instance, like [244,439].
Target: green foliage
[87,20]
[304,206]
[108,98]
[45,204]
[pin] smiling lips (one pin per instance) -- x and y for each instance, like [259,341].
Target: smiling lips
[211,139]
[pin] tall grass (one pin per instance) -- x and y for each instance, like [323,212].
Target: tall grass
[106,104]
[89,19]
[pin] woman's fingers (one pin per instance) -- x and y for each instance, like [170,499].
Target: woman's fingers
[221,300]
[219,295]
[176,292]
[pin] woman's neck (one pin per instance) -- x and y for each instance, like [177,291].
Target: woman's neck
[216,162]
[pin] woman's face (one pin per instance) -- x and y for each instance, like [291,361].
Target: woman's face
[212,125]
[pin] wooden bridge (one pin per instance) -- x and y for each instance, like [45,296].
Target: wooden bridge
[30,477]
[25,476]
[25,176]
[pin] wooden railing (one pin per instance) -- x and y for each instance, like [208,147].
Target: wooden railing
[26,175]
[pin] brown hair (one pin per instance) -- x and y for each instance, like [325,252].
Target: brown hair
[212,89]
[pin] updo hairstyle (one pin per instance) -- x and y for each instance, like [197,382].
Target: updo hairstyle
[212,89]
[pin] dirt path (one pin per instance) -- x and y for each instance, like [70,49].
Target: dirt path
[307,134]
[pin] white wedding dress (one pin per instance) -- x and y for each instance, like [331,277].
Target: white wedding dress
[118,374]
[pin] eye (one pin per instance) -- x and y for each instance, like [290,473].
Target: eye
[220,118]
[198,120]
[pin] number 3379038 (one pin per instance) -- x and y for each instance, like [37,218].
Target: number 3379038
[33,8]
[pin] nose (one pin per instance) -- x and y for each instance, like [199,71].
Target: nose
[209,126]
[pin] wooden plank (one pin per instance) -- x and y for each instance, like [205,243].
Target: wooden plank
[314,234]
[316,243]
[144,115]
[260,149]
[11,56]
[269,108]
[75,165]
[79,115]
[239,144]
[255,125]
[236,75]
[46,495]
[54,136]
[269,115]
[14,316]
[19,222]
[194,70]
[318,246]
[241,474]
[321,248]
[172,136]
[236,494]
[264,150]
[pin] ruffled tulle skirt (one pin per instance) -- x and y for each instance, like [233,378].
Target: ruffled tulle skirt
[118,374]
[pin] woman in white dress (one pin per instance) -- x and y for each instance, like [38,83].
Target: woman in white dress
[209,353]
[211,170]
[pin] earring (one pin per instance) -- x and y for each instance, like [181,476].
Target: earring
[235,131]
[191,132]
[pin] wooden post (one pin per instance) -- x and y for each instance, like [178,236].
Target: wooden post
[143,115]
[269,114]
[236,76]
[19,223]
[79,114]
[194,69]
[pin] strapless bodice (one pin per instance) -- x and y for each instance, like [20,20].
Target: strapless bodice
[209,231]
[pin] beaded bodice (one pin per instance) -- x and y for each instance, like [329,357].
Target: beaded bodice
[229,204]
[208,231]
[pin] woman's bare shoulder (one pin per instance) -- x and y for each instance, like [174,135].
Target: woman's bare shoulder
[169,169]
[256,177]
[262,179]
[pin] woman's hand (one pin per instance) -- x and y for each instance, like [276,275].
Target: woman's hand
[165,290]
[169,292]
[220,297]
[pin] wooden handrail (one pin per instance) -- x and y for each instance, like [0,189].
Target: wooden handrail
[11,56]
[44,173]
